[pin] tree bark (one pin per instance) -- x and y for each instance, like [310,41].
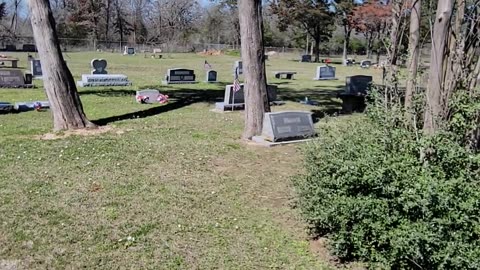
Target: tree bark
[58,81]
[253,56]
[414,54]
[346,44]
[433,106]
[395,30]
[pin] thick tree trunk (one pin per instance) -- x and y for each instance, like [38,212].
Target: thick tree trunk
[395,31]
[317,49]
[414,50]
[253,56]
[433,106]
[58,81]
[107,18]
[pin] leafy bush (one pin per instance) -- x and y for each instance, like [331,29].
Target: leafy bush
[392,198]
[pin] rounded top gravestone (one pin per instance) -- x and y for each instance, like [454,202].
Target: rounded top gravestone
[99,66]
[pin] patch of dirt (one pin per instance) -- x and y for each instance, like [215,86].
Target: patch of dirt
[78,132]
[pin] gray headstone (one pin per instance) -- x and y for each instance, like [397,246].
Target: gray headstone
[89,80]
[12,78]
[288,125]
[211,76]
[99,66]
[359,84]
[147,96]
[180,75]
[239,65]
[129,51]
[365,63]
[36,68]
[325,73]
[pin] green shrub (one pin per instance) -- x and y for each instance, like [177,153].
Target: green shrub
[380,200]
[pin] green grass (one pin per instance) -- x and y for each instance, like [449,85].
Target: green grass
[168,187]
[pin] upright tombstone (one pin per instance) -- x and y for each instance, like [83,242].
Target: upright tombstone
[211,76]
[325,73]
[239,65]
[129,51]
[306,58]
[236,100]
[10,48]
[179,76]
[100,77]
[99,66]
[29,48]
[36,69]
[286,126]
[358,85]
[14,78]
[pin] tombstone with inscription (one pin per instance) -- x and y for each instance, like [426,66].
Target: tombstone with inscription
[99,76]
[236,100]
[286,126]
[36,69]
[179,76]
[325,73]
[14,79]
[306,58]
[211,76]
[129,51]
[357,87]
[239,65]
[99,66]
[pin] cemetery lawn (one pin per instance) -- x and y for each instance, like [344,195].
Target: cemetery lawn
[161,186]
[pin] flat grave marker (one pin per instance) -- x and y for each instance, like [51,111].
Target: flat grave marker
[147,96]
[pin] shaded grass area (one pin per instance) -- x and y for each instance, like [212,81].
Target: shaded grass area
[169,187]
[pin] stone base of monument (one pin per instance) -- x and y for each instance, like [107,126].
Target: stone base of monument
[262,141]
[6,107]
[223,107]
[30,106]
[93,80]
[178,82]
[352,103]
[325,79]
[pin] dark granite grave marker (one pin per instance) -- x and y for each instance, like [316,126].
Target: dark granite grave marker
[13,79]
[29,48]
[179,76]
[358,85]
[211,76]
[36,69]
[306,58]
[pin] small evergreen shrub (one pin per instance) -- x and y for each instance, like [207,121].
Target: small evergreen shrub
[389,197]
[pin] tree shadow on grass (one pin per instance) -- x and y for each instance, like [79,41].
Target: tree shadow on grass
[179,98]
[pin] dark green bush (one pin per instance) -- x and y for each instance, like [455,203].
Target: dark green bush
[370,189]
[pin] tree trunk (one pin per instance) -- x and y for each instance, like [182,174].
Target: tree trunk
[253,56]
[395,31]
[317,47]
[107,23]
[414,50]
[58,81]
[369,45]
[346,43]
[433,106]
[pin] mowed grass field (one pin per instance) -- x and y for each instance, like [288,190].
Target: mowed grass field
[166,186]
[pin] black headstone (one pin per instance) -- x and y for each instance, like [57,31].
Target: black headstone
[325,73]
[211,76]
[306,58]
[11,48]
[359,84]
[36,68]
[29,48]
[181,75]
